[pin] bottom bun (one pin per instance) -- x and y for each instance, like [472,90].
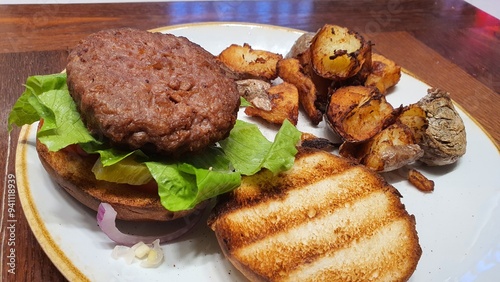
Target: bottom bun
[73,172]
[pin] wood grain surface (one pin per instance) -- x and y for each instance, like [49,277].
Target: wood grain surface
[449,44]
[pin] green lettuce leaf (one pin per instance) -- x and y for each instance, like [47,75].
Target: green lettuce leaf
[108,155]
[249,151]
[48,98]
[62,126]
[182,184]
[22,111]
[244,102]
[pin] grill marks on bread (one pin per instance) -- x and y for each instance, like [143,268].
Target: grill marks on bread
[324,219]
[380,257]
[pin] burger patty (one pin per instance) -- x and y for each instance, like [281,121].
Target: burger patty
[151,91]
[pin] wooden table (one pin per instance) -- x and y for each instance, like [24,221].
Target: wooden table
[449,44]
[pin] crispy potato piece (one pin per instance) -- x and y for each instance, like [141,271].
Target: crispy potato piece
[358,113]
[421,182]
[300,45]
[361,76]
[322,84]
[414,117]
[445,139]
[312,141]
[255,92]
[338,53]
[384,73]
[392,148]
[249,63]
[290,71]
[284,105]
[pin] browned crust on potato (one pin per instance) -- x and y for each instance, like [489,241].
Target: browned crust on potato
[290,70]
[384,73]
[421,182]
[358,113]
[245,62]
[390,149]
[284,100]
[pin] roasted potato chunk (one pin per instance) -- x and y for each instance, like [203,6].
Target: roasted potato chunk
[246,62]
[284,99]
[301,45]
[358,113]
[444,140]
[290,71]
[338,53]
[384,73]
[360,77]
[421,182]
[390,149]
[255,92]
[414,117]
[311,141]
[321,84]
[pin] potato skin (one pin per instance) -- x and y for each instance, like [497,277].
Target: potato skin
[392,148]
[255,92]
[284,100]
[444,140]
[301,45]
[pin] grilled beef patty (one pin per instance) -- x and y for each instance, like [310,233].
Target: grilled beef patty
[151,91]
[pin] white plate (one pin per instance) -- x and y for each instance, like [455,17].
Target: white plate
[458,224]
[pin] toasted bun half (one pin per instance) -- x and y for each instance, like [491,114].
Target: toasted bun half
[72,172]
[326,219]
